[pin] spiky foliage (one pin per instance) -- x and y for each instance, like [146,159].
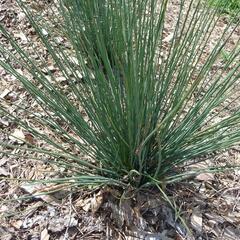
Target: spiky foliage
[149,104]
[226,6]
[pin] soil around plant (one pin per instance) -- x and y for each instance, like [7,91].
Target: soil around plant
[209,204]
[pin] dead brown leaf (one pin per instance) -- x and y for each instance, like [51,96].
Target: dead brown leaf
[44,235]
[4,172]
[204,177]
[16,223]
[197,221]
[17,136]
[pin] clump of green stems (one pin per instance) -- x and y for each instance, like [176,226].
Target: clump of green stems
[226,6]
[150,107]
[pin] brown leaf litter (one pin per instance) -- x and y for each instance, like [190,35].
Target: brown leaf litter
[209,204]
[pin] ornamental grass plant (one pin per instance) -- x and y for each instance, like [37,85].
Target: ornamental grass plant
[138,109]
[226,6]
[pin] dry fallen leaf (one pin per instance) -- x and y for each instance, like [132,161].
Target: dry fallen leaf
[4,208]
[29,138]
[60,79]
[44,32]
[197,221]
[22,36]
[86,205]
[60,223]
[96,202]
[45,235]
[21,16]
[168,38]
[17,136]
[16,223]
[38,190]
[92,203]
[3,160]
[205,177]
[4,172]
[31,209]
[4,122]
[5,235]
[5,93]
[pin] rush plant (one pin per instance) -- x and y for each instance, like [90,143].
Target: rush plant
[142,106]
[226,6]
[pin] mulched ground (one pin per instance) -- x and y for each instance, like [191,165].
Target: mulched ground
[209,204]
